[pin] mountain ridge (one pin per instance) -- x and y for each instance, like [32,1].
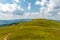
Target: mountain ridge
[36,29]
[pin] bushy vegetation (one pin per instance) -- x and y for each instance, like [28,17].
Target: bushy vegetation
[36,29]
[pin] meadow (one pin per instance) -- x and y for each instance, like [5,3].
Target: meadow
[36,29]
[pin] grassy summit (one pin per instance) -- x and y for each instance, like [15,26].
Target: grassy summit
[36,29]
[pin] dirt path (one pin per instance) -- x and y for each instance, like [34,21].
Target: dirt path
[5,38]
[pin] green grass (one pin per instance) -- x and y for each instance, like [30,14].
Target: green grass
[37,29]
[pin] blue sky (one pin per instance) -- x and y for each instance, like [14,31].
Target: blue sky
[29,9]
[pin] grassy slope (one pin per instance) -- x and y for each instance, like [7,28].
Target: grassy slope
[37,29]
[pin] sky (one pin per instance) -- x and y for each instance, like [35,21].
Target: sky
[29,9]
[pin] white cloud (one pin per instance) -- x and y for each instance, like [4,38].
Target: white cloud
[20,8]
[9,16]
[7,11]
[49,11]
[17,1]
[51,5]
[37,3]
[42,3]
[7,7]
[54,6]
[10,7]
[44,11]
[29,6]
[33,15]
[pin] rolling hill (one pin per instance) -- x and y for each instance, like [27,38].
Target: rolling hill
[36,29]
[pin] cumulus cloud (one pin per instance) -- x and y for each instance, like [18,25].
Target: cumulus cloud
[42,3]
[9,16]
[7,11]
[7,7]
[54,9]
[44,7]
[50,10]
[17,1]
[20,8]
[28,15]
[32,15]
[38,3]
[10,7]
[29,6]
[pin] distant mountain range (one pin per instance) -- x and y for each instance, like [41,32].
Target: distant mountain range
[7,22]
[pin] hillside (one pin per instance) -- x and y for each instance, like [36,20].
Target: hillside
[36,29]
